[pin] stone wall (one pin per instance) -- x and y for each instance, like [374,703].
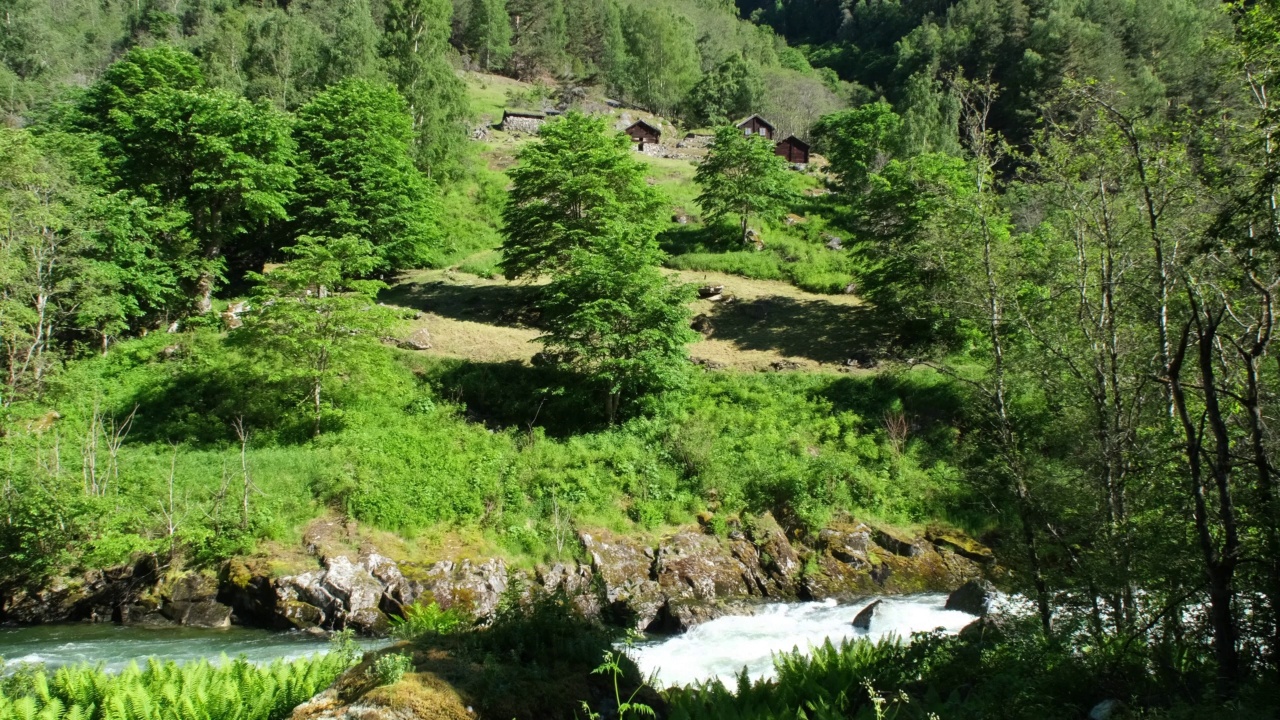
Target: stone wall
[526,125]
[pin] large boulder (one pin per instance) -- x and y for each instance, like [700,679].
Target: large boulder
[462,585]
[866,617]
[245,585]
[339,590]
[576,582]
[778,560]
[974,597]
[624,568]
[191,600]
[960,544]
[697,566]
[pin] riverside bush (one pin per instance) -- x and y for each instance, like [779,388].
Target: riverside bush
[229,690]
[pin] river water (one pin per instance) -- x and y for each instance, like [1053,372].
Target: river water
[116,646]
[723,647]
[717,649]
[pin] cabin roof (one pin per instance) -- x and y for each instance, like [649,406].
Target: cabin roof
[642,123]
[792,139]
[754,116]
[523,113]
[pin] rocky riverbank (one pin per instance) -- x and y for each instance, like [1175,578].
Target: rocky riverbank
[669,585]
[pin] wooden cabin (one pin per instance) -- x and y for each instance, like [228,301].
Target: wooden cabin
[756,125]
[642,133]
[793,150]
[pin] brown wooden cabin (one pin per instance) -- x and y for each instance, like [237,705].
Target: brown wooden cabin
[793,150]
[643,133]
[756,125]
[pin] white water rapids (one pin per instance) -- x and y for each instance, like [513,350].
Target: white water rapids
[723,647]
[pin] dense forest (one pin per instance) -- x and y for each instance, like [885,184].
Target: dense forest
[1033,275]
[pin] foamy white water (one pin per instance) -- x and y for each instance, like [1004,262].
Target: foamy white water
[723,647]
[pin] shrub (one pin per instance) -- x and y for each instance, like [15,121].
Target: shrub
[389,668]
[429,619]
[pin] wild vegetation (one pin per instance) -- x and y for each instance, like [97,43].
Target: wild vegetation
[1049,231]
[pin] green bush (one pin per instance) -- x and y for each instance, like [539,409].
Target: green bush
[167,690]
[429,619]
[389,668]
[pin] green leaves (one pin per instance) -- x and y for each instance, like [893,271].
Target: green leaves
[578,183]
[742,176]
[356,176]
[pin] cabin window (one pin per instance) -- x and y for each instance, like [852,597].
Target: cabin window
[762,133]
[746,131]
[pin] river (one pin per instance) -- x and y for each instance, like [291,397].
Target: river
[723,647]
[116,646]
[720,648]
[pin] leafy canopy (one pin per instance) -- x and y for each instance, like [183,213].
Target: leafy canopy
[356,176]
[742,176]
[577,184]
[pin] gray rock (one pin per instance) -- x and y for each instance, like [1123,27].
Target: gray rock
[895,543]
[475,588]
[624,568]
[697,566]
[974,597]
[300,615]
[867,616]
[848,544]
[1104,710]
[202,614]
[369,621]
[419,340]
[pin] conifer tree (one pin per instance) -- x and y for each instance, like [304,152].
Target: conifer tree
[488,33]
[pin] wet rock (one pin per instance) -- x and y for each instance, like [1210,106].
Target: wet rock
[991,628]
[144,613]
[683,615]
[300,615]
[867,615]
[203,614]
[777,559]
[369,621]
[974,597]
[895,542]
[245,585]
[624,567]
[847,543]
[1105,710]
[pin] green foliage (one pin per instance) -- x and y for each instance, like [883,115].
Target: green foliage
[732,90]
[488,33]
[741,176]
[661,61]
[577,185]
[415,54]
[858,142]
[538,45]
[356,177]
[390,668]
[429,619]
[168,691]
[313,319]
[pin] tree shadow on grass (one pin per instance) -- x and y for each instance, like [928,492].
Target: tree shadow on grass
[818,330]
[504,305]
[513,395]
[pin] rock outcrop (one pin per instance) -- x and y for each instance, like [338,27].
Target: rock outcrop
[668,585]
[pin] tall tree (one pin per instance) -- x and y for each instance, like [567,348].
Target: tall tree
[540,37]
[488,33]
[577,180]
[314,319]
[221,161]
[415,50]
[662,59]
[732,89]
[743,177]
[356,175]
